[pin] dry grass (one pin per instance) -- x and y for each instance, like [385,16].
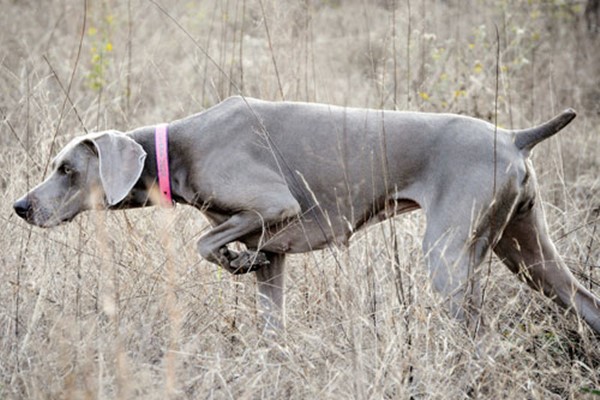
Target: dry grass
[109,307]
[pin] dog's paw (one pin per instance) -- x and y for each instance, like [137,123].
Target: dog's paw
[247,261]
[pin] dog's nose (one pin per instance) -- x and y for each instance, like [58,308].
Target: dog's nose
[23,208]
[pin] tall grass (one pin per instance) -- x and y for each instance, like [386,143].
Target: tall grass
[109,307]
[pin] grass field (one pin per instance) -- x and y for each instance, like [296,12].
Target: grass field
[120,305]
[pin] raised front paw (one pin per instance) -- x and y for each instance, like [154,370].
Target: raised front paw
[244,261]
[249,261]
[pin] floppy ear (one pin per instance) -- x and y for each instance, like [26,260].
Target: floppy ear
[121,161]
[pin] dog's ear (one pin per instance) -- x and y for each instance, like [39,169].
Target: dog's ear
[121,161]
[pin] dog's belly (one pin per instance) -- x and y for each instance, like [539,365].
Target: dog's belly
[304,234]
[298,236]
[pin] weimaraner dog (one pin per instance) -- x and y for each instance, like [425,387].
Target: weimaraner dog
[290,177]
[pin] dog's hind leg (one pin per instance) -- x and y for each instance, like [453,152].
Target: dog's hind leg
[453,259]
[457,238]
[527,250]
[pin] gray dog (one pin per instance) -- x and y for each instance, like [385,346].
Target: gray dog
[294,177]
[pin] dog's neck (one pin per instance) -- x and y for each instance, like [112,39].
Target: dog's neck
[186,141]
[140,194]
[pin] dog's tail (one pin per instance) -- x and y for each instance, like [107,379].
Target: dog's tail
[526,139]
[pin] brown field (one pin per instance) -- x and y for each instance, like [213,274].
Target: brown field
[119,304]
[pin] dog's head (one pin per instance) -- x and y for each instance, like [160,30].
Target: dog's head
[94,170]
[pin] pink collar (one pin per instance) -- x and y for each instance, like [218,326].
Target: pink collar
[162,164]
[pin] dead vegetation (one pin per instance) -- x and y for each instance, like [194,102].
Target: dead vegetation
[111,307]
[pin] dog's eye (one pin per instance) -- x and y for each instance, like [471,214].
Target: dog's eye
[65,169]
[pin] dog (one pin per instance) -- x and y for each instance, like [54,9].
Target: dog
[288,177]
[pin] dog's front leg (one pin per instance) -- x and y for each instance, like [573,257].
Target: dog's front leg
[271,299]
[269,266]
[213,245]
